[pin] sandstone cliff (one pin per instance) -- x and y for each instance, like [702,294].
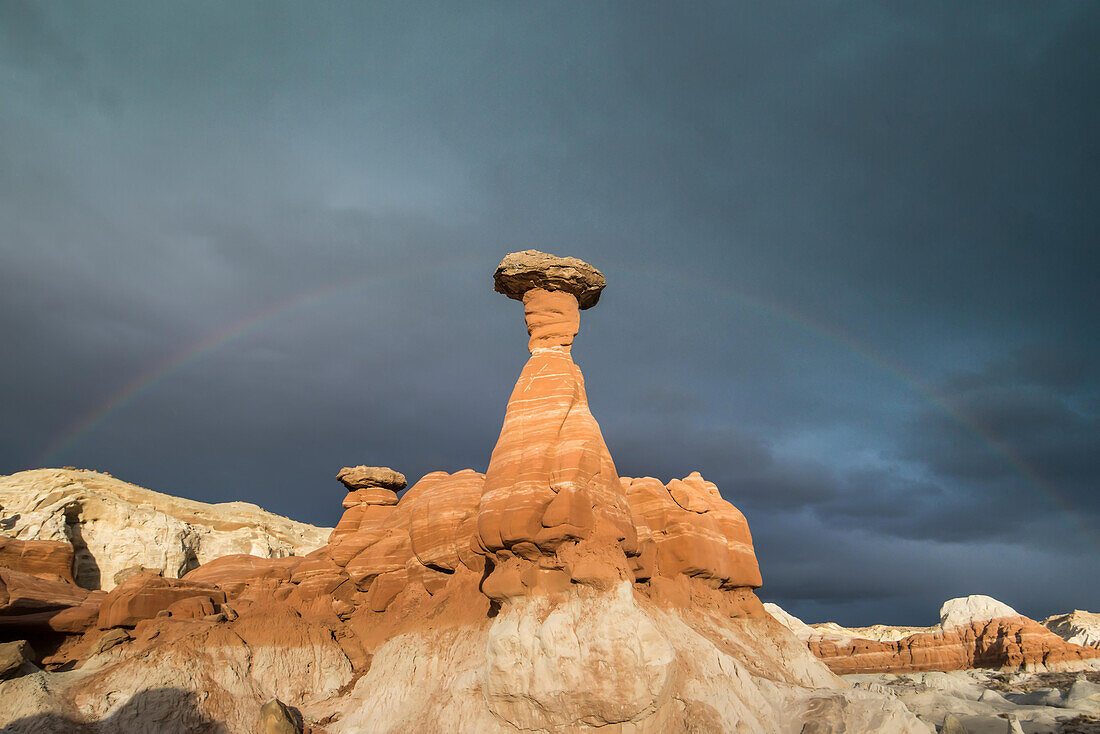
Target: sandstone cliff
[116,527]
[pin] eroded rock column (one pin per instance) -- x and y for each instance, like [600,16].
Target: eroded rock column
[553,512]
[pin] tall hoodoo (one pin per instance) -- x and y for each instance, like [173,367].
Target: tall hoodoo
[553,511]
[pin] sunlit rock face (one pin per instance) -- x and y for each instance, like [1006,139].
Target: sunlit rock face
[974,632]
[115,527]
[553,510]
[1078,627]
[548,594]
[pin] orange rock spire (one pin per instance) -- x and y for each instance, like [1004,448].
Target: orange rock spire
[553,509]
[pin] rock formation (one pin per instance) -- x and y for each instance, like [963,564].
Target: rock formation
[114,527]
[1077,627]
[520,272]
[548,594]
[974,632]
[984,701]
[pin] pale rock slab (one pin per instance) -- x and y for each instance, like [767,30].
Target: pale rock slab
[800,629]
[1077,627]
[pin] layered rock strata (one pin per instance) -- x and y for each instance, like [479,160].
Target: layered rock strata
[115,527]
[1078,627]
[974,632]
[548,594]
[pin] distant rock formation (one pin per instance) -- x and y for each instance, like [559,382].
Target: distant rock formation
[1077,627]
[115,527]
[548,594]
[974,632]
[966,610]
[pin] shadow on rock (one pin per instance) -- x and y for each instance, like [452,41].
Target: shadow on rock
[155,711]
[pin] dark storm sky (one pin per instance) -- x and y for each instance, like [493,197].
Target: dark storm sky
[851,253]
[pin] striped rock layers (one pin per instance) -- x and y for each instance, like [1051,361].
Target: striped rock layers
[553,511]
[974,632]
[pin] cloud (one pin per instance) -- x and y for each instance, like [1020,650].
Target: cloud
[285,221]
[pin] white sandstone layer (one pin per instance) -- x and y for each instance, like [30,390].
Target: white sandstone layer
[1077,627]
[114,525]
[963,610]
[609,662]
[800,629]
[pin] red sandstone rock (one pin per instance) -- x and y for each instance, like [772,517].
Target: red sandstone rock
[1006,642]
[359,518]
[232,573]
[44,559]
[142,597]
[192,607]
[551,484]
[443,518]
[370,496]
[687,528]
[22,593]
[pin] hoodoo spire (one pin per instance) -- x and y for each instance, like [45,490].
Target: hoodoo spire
[553,511]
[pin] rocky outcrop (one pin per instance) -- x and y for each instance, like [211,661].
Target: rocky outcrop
[113,526]
[966,610]
[552,511]
[977,701]
[800,629]
[14,656]
[44,559]
[548,594]
[1077,627]
[974,632]
[371,477]
[520,272]
[145,596]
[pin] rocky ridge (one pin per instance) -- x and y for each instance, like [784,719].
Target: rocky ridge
[1077,627]
[974,632]
[547,594]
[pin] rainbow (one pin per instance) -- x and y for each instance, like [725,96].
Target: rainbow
[149,380]
[834,336]
[192,353]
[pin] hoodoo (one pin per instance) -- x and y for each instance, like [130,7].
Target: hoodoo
[553,511]
[549,594]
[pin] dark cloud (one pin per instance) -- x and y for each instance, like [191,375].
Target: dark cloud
[245,245]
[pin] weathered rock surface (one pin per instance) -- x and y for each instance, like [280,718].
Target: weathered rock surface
[1078,627]
[612,660]
[980,701]
[548,594]
[974,632]
[146,595]
[371,477]
[552,511]
[520,272]
[277,718]
[44,559]
[966,610]
[14,656]
[112,525]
